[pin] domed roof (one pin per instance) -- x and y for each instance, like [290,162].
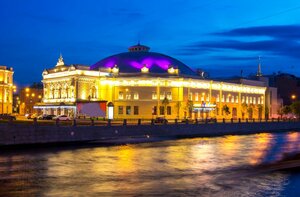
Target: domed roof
[138,57]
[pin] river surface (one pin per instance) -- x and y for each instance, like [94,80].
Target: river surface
[219,166]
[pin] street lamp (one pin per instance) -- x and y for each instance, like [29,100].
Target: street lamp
[293,96]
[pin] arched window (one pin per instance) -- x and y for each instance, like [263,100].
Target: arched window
[94,92]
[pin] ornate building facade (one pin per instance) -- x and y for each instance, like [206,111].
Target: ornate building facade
[144,84]
[6,89]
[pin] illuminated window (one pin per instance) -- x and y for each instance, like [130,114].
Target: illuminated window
[128,95]
[162,96]
[154,95]
[250,99]
[120,110]
[237,99]
[169,95]
[128,110]
[135,110]
[232,99]
[223,98]
[243,99]
[196,96]
[154,110]
[258,100]
[247,99]
[218,98]
[161,110]
[121,95]
[227,99]
[190,96]
[169,110]
[136,96]
[254,100]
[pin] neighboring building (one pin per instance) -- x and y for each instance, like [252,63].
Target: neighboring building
[144,84]
[16,103]
[28,97]
[6,89]
[272,100]
[288,86]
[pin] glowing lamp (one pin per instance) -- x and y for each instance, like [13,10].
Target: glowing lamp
[115,70]
[173,70]
[144,69]
[110,110]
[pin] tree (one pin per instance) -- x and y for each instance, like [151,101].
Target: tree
[244,108]
[226,110]
[266,112]
[250,111]
[178,106]
[260,109]
[189,107]
[295,107]
[165,103]
[284,110]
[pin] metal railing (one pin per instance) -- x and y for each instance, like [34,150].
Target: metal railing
[140,122]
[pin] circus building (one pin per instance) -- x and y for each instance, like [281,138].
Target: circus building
[144,84]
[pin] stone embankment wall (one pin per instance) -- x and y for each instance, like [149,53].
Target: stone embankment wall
[17,134]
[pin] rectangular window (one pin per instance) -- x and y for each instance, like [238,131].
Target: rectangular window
[161,110]
[237,99]
[254,100]
[135,110]
[232,99]
[154,110]
[196,96]
[136,96]
[169,110]
[223,98]
[169,95]
[128,95]
[258,100]
[243,99]
[162,96]
[121,95]
[250,99]
[120,110]
[218,98]
[190,96]
[154,95]
[128,110]
[247,99]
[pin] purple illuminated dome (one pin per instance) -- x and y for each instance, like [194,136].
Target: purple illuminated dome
[138,57]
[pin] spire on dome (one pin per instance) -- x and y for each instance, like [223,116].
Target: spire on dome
[60,61]
[259,73]
[139,48]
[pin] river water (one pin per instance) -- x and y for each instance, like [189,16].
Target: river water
[220,166]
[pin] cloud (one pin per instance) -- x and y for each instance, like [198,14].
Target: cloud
[281,41]
[279,31]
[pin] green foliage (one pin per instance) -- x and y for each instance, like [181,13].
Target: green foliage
[225,109]
[190,105]
[295,108]
[286,109]
[165,102]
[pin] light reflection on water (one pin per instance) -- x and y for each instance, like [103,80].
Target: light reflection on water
[219,166]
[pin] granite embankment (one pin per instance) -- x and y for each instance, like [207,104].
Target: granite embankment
[17,134]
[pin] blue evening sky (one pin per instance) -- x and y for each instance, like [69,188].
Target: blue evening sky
[221,37]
